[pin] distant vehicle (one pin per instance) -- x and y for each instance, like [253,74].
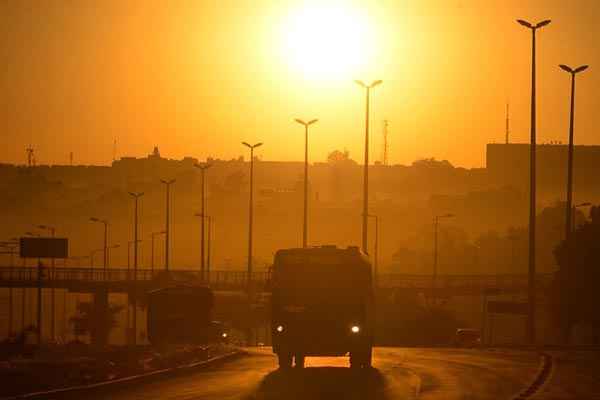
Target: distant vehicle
[322,305]
[467,338]
[182,315]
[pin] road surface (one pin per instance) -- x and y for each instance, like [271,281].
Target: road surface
[397,374]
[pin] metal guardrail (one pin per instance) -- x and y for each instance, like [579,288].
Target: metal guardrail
[229,278]
[461,281]
[120,275]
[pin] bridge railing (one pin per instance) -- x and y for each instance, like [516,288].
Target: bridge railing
[238,278]
[459,281]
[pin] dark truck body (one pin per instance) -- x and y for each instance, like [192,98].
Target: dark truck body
[322,301]
[180,315]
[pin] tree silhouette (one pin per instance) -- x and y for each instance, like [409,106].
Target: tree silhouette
[84,322]
[575,291]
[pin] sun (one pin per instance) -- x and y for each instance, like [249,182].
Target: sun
[325,42]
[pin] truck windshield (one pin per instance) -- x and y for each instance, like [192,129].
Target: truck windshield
[321,280]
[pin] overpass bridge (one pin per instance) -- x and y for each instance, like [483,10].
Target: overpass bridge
[100,283]
[127,280]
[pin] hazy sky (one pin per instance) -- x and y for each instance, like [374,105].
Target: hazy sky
[198,77]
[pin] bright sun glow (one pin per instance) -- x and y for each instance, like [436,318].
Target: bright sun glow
[327,42]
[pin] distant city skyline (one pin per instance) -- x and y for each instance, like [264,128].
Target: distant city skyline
[197,78]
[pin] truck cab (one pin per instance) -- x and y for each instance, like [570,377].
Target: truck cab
[322,305]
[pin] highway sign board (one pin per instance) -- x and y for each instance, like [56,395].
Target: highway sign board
[41,247]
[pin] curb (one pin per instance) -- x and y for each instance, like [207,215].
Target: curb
[544,373]
[129,379]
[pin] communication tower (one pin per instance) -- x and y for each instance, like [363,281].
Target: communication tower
[384,155]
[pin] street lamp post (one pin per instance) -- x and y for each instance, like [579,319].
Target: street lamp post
[152,249]
[365,212]
[250,213]
[92,256]
[39,294]
[10,246]
[105,222]
[569,206]
[130,244]
[108,248]
[376,250]
[136,196]
[436,222]
[305,225]
[202,167]
[168,184]
[52,231]
[532,187]
[208,244]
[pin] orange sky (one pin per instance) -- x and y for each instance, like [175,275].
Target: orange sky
[198,77]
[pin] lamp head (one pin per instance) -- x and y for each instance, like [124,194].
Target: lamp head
[361,83]
[376,83]
[582,68]
[202,165]
[566,68]
[525,23]
[542,24]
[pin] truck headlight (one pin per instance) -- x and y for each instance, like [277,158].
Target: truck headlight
[355,329]
[224,335]
[279,328]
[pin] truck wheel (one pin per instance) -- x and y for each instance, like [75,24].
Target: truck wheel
[285,360]
[368,357]
[355,360]
[299,361]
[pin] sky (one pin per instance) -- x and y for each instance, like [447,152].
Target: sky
[196,78]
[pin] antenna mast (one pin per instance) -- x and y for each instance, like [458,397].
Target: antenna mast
[507,132]
[384,156]
[30,157]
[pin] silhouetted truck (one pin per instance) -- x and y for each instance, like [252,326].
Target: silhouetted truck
[322,305]
[180,315]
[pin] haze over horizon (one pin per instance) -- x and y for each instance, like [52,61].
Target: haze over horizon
[196,78]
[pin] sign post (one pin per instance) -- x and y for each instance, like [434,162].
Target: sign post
[42,247]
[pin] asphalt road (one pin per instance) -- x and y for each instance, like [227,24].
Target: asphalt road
[397,374]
